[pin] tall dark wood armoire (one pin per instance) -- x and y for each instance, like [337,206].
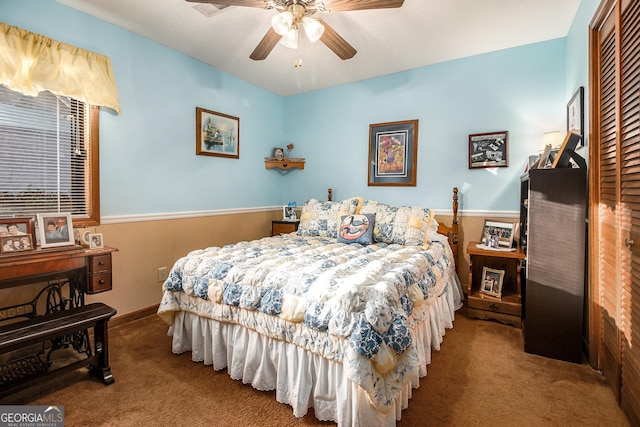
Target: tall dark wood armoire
[554,204]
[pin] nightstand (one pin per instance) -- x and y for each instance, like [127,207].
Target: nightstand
[284,227]
[506,309]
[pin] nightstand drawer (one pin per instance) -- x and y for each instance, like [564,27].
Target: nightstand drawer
[283,227]
[100,263]
[494,305]
[99,283]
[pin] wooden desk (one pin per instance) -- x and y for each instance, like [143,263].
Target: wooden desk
[85,272]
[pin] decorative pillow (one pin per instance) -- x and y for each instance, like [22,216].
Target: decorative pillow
[405,225]
[322,218]
[356,228]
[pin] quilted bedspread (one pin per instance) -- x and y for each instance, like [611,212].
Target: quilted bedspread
[349,303]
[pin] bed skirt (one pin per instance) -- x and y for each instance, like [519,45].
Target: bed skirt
[302,379]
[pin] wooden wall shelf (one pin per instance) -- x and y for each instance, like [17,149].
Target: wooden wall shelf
[284,165]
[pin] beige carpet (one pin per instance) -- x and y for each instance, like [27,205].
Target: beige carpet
[480,377]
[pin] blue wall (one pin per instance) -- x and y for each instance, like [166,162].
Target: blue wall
[148,161]
[518,90]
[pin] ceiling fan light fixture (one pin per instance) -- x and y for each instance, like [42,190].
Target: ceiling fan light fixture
[282,22]
[312,28]
[290,39]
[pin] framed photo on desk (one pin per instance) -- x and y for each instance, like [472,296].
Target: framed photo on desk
[55,229]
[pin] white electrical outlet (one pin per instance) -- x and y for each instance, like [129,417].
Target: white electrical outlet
[162,274]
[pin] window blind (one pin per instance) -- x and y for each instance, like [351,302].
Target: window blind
[45,154]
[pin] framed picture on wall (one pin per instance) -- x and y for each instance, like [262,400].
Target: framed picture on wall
[217,134]
[488,150]
[393,151]
[575,114]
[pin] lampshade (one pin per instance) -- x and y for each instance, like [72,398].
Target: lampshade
[290,39]
[312,28]
[551,138]
[281,22]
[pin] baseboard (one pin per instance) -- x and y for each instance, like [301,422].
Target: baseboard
[130,317]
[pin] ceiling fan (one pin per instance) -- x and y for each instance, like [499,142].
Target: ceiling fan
[296,14]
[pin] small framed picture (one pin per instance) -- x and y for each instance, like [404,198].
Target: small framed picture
[575,114]
[492,282]
[96,241]
[489,150]
[497,234]
[19,243]
[19,227]
[55,229]
[217,134]
[289,213]
[278,153]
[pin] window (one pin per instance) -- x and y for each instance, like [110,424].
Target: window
[48,156]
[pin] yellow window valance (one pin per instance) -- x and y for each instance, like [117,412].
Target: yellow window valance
[31,63]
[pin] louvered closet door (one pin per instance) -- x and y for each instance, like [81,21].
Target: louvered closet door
[606,272]
[615,231]
[630,197]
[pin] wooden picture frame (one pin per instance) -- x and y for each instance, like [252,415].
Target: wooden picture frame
[393,153]
[278,153]
[489,150]
[55,229]
[491,282]
[567,152]
[575,114]
[497,234]
[217,134]
[19,227]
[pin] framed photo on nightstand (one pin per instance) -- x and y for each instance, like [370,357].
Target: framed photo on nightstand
[492,282]
[289,213]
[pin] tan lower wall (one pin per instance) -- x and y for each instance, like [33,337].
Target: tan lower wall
[145,246]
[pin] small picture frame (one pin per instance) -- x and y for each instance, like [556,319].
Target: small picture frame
[489,150]
[491,283]
[567,152]
[18,227]
[278,153]
[496,234]
[96,241]
[217,134]
[11,244]
[575,114]
[55,229]
[289,213]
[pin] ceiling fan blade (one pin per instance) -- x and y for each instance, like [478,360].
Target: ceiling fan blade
[246,3]
[266,45]
[336,43]
[345,5]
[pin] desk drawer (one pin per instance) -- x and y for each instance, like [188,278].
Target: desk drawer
[99,282]
[100,263]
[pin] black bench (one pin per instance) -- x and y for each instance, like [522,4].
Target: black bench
[57,327]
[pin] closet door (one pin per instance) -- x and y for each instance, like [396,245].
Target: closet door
[615,200]
[630,198]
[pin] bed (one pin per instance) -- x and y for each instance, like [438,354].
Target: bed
[340,316]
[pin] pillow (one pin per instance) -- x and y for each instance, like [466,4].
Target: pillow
[405,225]
[356,228]
[322,218]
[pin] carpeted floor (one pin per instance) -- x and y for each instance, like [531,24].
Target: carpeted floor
[480,377]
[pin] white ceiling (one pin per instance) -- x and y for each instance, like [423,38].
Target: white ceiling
[420,33]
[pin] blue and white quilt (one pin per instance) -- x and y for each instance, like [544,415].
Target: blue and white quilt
[353,304]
